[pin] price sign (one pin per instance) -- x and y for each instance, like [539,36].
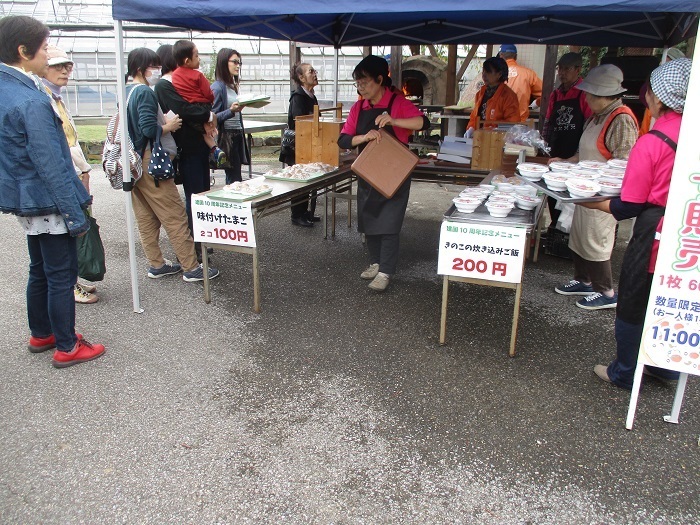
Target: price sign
[222,222]
[480,251]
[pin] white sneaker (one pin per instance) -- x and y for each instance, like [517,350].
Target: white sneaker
[380,282]
[371,272]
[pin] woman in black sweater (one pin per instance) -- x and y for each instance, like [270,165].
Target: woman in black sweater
[301,102]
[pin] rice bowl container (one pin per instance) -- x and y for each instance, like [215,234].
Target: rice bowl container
[611,173]
[526,202]
[556,181]
[610,186]
[582,188]
[505,187]
[499,209]
[466,204]
[559,165]
[532,171]
[618,164]
[486,187]
[591,164]
[502,198]
[526,190]
[578,173]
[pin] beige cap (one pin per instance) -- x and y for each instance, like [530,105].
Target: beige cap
[57,56]
[603,81]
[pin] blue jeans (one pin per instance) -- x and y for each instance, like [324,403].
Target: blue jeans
[53,272]
[621,370]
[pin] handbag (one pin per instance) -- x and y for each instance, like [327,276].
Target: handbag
[288,138]
[112,153]
[160,167]
[91,253]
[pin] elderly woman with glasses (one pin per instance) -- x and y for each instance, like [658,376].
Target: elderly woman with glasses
[644,194]
[378,217]
[229,118]
[301,102]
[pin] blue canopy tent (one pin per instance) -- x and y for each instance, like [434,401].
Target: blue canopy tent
[636,23]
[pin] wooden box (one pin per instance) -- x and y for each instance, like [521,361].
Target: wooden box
[385,165]
[487,151]
[317,137]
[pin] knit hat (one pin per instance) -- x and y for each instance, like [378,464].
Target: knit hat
[669,82]
[508,48]
[603,81]
[57,56]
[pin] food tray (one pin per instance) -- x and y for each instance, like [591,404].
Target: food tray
[564,195]
[289,179]
[517,217]
[224,195]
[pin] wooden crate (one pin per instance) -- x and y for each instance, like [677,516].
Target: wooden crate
[317,137]
[487,151]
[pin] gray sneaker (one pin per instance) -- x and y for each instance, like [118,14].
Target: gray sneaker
[380,282]
[198,274]
[167,269]
[371,272]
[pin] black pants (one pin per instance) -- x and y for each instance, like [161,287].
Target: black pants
[194,167]
[598,273]
[384,250]
[304,205]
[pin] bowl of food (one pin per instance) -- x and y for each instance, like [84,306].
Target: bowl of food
[619,164]
[502,198]
[488,188]
[505,187]
[560,165]
[556,181]
[466,204]
[526,189]
[591,164]
[473,192]
[578,173]
[610,186]
[582,188]
[499,209]
[532,171]
[611,173]
[526,202]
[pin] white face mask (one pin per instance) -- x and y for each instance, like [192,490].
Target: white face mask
[154,78]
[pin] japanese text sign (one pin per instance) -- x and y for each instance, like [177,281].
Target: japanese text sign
[222,222]
[480,251]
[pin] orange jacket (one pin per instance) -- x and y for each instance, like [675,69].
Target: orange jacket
[525,82]
[503,105]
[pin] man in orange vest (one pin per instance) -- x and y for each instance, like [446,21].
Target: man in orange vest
[524,81]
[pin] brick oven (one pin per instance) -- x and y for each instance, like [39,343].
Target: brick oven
[424,77]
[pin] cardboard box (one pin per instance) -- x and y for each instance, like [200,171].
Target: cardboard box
[317,137]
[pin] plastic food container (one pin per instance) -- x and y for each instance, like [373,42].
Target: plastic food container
[502,198]
[505,187]
[619,164]
[582,188]
[610,186]
[578,173]
[466,204]
[526,190]
[486,187]
[532,171]
[556,181]
[526,202]
[591,164]
[499,209]
[559,165]
[611,173]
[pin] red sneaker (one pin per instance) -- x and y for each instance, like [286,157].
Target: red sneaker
[82,352]
[42,344]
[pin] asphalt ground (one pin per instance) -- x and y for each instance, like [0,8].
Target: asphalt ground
[334,405]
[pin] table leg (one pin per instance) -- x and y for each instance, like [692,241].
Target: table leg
[538,238]
[250,152]
[350,204]
[205,266]
[256,282]
[516,315]
[325,214]
[443,311]
[677,400]
[333,212]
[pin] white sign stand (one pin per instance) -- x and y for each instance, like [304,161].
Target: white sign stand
[671,334]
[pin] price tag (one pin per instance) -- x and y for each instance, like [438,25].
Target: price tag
[222,222]
[480,251]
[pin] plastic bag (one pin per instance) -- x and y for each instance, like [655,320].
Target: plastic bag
[526,136]
[91,253]
[566,216]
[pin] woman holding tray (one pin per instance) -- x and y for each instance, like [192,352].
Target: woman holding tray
[379,218]
[229,118]
[608,134]
[644,195]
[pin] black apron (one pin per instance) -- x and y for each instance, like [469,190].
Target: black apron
[567,127]
[635,280]
[377,215]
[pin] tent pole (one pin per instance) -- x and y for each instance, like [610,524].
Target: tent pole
[336,74]
[123,124]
